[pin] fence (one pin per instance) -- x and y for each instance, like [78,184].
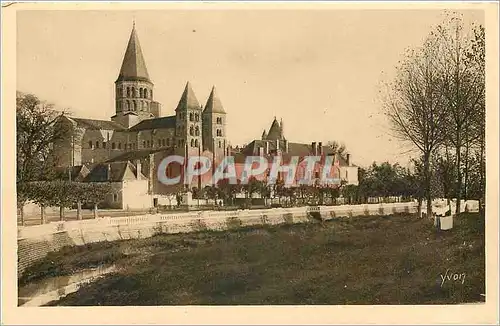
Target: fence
[34,242]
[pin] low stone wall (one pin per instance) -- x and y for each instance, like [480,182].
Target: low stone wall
[34,242]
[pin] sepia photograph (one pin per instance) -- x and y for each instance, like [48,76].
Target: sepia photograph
[253,156]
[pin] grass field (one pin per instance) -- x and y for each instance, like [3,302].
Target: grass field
[365,260]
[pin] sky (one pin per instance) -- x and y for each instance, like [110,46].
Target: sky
[320,71]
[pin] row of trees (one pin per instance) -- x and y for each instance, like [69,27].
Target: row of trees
[436,104]
[37,179]
[62,194]
[379,180]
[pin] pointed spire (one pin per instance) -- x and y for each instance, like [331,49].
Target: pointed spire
[133,65]
[281,128]
[214,104]
[188,99]
[264,135]
[275,131]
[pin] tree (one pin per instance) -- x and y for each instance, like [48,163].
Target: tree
[476,54]
[61,194]
[39,193]
[338,149]
[35,135]
[227,190]
[416,106]
[350,192]
[95,192]
[462,83]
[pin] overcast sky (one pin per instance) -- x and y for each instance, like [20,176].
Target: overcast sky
[320,71]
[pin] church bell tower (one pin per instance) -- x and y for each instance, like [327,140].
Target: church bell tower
[133,87]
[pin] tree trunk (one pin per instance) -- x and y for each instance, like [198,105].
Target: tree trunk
[427,179]
[42,215]
[95,211]
[466,172]
[482,176]
[459,176]
[21,213]
[79,210]
[419,207]
[61,213]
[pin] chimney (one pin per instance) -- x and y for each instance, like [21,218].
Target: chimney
[314,149]
[286,145]
[348,159]
[266,151]
[138,167]
[320,148]
[108,172]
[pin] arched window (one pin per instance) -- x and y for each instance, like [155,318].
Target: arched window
[128,91]
[159,142]
[145,93]
[144,143]
[220,144]
[197,117]
[90,144]
[190,117]
[113,145]
[133,91]
[140,92]
[149,144]
[191,131]
[196,143]
[197,131]
[135,105]
[96,144]
[192,142]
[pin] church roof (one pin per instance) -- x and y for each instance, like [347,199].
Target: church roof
[188,99]
[294,149]
[78,172]
[133,65]
[155,123]
[97,124]
[214,104]
[116,170]
[275,131]
[137,154]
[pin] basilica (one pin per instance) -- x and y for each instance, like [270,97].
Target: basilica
[138,124]
[126,150]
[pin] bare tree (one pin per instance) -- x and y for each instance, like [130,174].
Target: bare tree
[462,85]
[415,105]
